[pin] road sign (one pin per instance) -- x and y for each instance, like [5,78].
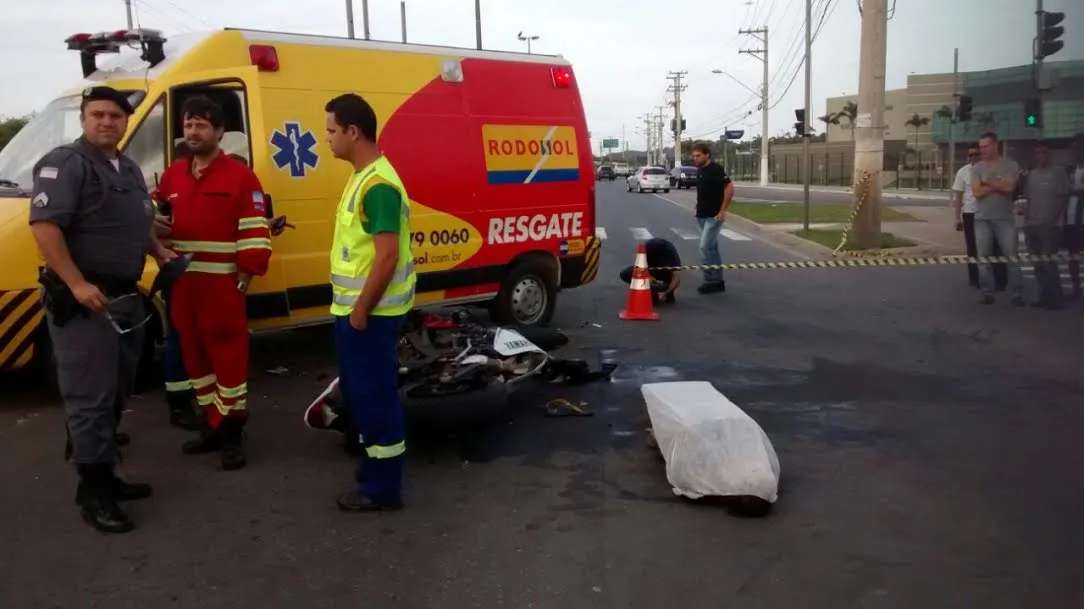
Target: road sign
[611,143]
[734,134]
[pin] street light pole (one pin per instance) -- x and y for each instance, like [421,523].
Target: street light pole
[478,24]
[762,35]
[528,39]
[806,161]
[349,18]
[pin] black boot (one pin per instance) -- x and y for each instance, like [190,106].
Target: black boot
[208,441]
[97,499]
[233,443]
[182,411]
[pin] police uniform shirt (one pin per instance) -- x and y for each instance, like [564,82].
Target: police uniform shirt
[101,205]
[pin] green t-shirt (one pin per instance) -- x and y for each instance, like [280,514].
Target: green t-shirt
[382,209]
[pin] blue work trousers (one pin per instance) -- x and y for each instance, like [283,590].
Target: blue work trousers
[173,372]
[369,380]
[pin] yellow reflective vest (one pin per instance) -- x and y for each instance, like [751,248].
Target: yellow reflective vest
[353,251]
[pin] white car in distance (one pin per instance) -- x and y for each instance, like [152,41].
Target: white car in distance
[648,178]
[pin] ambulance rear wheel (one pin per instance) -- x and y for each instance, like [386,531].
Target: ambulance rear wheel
[528,295]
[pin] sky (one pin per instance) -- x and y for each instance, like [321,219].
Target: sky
[621,50]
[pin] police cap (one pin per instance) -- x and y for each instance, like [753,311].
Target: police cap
[108,94]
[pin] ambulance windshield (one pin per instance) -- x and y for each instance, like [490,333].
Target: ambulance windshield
[54,126]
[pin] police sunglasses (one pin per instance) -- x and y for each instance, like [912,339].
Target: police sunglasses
[118,324]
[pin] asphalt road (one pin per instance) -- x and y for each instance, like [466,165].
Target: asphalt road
[929,448]
[749,192]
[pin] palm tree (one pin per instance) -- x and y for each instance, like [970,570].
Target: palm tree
[828,120]
[849,112]
[917,122]
[944,112]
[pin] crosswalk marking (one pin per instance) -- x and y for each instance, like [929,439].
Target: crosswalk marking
[643,234]
[729,234]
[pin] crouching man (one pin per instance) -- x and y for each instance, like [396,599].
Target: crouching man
[660,253]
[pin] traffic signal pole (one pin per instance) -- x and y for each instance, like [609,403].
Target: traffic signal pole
[952,119]
[806,161]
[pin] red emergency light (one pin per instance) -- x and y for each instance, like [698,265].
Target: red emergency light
[264,57]
[90,45]
[562,76]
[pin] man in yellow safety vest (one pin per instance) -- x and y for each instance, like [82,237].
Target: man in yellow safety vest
[372,279]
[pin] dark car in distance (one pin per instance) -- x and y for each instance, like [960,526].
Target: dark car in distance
[683,177]
[606,172]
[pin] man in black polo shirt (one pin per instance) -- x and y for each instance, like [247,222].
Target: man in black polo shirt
[660,252]
[713,193]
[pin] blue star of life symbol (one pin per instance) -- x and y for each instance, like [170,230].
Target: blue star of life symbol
[295,149]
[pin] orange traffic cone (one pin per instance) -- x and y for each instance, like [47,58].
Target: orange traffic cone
[639,305]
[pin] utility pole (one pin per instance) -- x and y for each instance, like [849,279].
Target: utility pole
[128,10]
[952,119]
[349,18]
[677,88]
[806,134]
[402,18]
[869,125]
[649,133]
[762,54]
[365,18]
[624,145]
[660,142]
[478,24]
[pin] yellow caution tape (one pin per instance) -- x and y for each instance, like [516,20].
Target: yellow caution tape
[869,262]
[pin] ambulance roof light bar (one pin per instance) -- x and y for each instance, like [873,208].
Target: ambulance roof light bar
[91,45]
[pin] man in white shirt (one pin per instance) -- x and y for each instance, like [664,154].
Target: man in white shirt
[964,204]
[1074,215]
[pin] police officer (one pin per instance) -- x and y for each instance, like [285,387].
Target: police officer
[92,217]
[372,279]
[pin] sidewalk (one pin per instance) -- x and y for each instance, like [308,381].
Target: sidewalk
[902,193]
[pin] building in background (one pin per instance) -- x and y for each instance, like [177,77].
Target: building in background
[917,126]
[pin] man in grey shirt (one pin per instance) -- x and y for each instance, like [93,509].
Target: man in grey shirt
[993,182]
[1047,192]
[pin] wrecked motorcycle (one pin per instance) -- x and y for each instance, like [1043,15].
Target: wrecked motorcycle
[455,356]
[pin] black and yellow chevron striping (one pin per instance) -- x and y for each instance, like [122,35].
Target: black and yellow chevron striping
[868,262]
[21,316]
[590,260]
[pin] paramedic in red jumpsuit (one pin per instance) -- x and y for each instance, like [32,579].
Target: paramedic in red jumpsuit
[219,217]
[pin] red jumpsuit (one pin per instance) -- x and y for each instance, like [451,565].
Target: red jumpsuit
[219,218]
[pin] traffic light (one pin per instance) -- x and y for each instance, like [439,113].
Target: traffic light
[1049,33]
[673,122]
[963,113]
[1033,113]
[799,127]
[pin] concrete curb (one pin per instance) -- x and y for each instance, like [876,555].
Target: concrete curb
[933,194]
[815,251]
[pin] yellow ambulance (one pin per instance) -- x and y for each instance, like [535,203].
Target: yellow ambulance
[492,146]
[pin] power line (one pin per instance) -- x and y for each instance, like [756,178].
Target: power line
[829,8]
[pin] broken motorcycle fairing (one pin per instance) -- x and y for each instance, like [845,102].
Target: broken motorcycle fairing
[445,356]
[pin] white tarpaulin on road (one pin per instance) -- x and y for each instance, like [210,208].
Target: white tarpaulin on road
[711,447]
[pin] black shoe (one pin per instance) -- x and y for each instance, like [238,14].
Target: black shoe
[208,442]
[233,444]
[711,288]
[354,501]
[129,491]
[183,413]
[97,502]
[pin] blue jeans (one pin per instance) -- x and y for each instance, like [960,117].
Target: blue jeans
[1005,234]
[709,248]
[1044,240]
[173,372]
[369,381]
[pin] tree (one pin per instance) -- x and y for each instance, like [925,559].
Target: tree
[828,120]
[9,127]
[917,122]
[849,112]
[944,112]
